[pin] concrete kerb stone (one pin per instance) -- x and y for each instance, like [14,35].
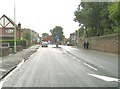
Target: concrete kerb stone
[24,59]
[7,73]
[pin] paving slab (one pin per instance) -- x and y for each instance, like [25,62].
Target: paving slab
[7,63]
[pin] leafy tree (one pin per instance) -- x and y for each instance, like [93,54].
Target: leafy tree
[97,17]
[81,31]
[26,34]
[44,35]
[57,33]
[114,14]
[88,16]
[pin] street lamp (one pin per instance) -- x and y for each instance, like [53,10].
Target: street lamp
[14,29]
[14,38]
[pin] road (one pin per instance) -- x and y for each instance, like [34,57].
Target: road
[65,67]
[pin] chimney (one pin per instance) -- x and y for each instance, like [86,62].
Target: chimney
[19,26]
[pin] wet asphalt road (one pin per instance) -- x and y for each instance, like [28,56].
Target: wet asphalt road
[66,67]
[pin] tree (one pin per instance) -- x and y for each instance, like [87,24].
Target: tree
[45,35]
[95,16]
[57,33]
[81,31]
[114,14]
[26,34]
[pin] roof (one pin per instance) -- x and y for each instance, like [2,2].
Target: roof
[12,22]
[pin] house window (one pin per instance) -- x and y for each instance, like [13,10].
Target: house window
[9,31]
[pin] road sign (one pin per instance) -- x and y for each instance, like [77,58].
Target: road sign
[56,37]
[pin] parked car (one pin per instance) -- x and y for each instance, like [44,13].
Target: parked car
[44,44]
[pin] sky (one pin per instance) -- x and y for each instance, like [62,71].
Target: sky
[42,15]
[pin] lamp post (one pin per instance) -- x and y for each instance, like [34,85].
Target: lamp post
[14,29]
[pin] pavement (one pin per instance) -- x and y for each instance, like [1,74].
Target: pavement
[8,63]
[65,67]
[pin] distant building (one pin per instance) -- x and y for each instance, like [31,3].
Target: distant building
[73,38]
[64,42]
[30,36]
[35,37]
[49,39]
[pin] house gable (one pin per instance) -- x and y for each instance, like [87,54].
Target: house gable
[6,22]
[7,28]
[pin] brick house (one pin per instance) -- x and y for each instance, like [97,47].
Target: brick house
[48,39]
[35,37]
[30,36]
[7,29]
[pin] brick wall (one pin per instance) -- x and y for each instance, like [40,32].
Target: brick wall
[18,33]
[19,48]
[108,43]
[4,51]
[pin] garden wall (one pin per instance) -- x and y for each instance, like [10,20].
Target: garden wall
[4,51]
[107,43]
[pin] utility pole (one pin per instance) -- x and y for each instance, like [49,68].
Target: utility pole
[14,28]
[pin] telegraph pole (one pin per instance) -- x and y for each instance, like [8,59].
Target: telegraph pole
[14,28]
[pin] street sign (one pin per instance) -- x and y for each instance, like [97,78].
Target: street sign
[56,37]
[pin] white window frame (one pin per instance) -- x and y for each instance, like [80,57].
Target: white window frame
[10,31]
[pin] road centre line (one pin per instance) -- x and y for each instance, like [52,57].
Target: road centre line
[84,63]
[90,66]
[74,57]
[105,78]
[77,59]
[70,55]
[65,52]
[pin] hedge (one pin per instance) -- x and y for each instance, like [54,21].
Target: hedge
[11,42]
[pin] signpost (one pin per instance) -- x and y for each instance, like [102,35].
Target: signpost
[57,38]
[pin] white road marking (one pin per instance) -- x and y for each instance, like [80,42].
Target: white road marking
[77,59]
[74,57]
[70,55]
[105,78]
[65,52]
[90,66]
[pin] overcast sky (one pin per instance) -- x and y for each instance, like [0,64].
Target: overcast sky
[42,15]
